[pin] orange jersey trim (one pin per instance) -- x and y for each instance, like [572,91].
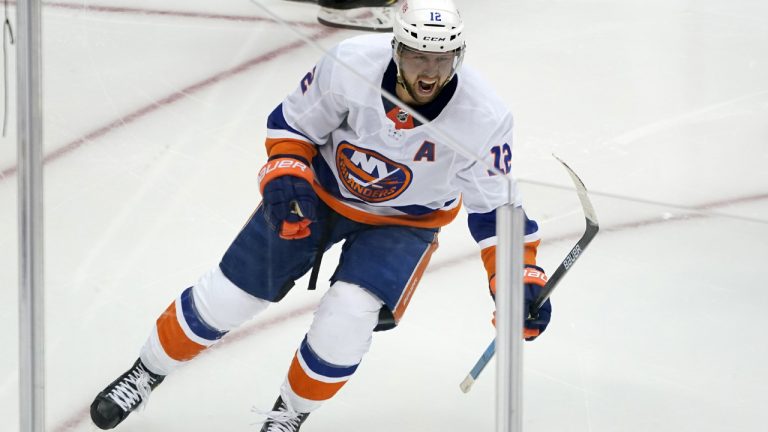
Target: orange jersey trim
[307,387]
[436,219]
[175,343]
[290,146]
[489,256]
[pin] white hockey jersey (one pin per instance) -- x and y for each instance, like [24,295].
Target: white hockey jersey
[374,163]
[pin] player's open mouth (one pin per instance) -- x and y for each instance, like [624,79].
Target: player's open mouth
[426,87]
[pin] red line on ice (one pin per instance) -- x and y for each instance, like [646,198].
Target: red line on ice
[174,97]
[82,415]
[171,13]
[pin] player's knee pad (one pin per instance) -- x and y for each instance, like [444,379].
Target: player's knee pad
[341,331]
[197,319]
[221,304]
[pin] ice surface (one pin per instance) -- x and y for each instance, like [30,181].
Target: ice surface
[154,129]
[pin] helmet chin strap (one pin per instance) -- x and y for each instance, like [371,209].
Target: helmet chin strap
[401,82]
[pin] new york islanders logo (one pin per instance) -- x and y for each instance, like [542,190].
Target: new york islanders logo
[369,175]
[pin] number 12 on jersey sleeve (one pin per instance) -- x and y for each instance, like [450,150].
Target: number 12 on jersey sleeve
[502,158]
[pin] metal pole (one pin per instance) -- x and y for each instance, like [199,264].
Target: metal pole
[509,319]
[30,181]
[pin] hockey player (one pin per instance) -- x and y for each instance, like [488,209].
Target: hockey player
[370,15]
[346,165]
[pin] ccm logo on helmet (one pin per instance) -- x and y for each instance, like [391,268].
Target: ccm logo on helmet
[434,39]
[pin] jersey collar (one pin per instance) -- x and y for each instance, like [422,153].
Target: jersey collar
[430,111]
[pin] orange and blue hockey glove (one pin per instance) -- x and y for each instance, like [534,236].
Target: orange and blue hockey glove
[534,279]
[289,201]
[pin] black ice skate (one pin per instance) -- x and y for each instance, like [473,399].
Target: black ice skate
[123,395]
[283,419]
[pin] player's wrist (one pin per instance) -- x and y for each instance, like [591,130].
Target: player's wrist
[285,165]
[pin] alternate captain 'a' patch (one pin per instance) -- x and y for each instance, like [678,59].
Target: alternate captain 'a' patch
[370,176]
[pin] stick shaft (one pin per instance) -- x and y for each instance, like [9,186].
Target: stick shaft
[575,253]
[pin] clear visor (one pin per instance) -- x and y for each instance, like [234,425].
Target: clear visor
[412,62]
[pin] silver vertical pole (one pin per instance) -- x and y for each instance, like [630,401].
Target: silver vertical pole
[30,181]
[509,319]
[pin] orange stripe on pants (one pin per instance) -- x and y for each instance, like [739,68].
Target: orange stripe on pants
[307,387]
[175,343]
[405,298]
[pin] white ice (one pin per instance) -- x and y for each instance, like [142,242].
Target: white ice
[154,126]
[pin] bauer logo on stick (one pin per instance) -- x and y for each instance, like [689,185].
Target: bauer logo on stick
[572,257]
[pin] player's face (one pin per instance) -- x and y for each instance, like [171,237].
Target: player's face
[424,73]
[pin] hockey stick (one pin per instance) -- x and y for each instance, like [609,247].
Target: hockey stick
[557,276]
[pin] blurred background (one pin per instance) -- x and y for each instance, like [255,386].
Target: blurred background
[154,123]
